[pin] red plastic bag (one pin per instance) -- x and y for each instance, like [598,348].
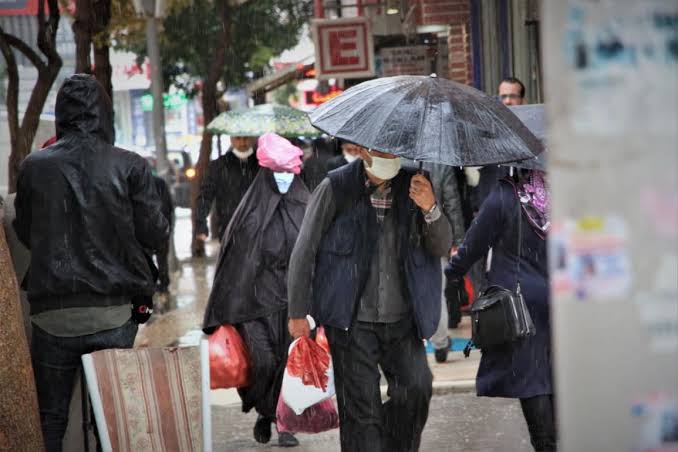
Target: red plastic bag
[309,360]
[315,419]
[309,377]
[229,359]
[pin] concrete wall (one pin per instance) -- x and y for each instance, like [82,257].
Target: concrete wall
[611,78]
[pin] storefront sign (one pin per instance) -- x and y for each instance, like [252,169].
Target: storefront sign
[343,48]
[411,60]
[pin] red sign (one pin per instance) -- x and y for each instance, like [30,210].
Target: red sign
[343,48]
[19,7]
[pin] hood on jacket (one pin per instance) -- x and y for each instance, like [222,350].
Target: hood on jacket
[82,106]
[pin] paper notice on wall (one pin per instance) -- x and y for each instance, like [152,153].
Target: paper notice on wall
[611,48]
[655,421]
[590,259]
[658,309]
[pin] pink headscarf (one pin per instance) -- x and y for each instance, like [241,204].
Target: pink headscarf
[278,154]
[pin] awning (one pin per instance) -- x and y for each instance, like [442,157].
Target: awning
[279,78]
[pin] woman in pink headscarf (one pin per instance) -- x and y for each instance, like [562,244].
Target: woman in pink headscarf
[250,283]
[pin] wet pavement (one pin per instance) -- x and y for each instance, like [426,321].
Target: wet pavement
[457,422]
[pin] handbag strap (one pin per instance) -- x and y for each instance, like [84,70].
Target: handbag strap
[520,242]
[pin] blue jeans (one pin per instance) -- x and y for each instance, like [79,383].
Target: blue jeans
[56,361]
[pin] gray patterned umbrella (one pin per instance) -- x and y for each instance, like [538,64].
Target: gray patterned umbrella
[533,117]
[427,119]
[256,121]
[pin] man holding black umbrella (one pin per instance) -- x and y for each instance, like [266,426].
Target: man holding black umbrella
[366,266]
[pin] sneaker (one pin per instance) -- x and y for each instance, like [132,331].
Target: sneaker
[441,353]
[262,429]
[286,439]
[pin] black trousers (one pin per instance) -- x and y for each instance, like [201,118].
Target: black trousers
[540,416]
[162,256]
[267,341]
[357,354]
[56,361]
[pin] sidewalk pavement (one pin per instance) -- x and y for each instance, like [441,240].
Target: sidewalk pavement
[180,324]
[457,375]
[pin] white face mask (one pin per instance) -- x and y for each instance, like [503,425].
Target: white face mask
[350,158]
[384,169]
[284,181]
[243,155]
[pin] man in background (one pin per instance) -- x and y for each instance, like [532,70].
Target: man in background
[225,183]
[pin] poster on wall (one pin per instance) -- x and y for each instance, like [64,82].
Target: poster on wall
[590,259]
[611,51]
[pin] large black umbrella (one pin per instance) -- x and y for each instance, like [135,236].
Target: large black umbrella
[429,119]
[533,117]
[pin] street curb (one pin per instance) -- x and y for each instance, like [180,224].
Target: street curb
[453,387]
[440,388]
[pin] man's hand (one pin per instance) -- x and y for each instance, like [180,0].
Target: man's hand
[421,192]
[298,327]
[201,237]
[453,251]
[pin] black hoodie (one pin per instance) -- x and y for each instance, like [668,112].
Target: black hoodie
[86,209]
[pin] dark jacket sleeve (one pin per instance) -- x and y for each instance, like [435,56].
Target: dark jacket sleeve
[451,207]
[150,226]
[484,232]
[22,206]
[208,190]
[319,215]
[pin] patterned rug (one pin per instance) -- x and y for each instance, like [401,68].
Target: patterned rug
[151,398]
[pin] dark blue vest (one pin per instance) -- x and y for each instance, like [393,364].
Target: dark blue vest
[345,253]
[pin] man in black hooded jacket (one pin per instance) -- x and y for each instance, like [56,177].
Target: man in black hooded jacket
[87,211]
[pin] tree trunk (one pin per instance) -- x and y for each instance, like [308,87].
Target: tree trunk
[83,36]
[210,110]
[22,134]
[102,60]
[12,103]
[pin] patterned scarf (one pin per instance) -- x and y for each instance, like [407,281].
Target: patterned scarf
[535,197]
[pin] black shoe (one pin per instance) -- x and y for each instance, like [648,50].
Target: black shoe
[262,429]
[286,439]
[441,353]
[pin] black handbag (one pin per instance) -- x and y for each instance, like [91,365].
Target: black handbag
[500,316]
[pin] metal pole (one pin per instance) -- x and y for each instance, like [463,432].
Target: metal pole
[162,164]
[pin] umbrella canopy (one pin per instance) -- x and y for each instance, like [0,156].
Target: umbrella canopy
[533,117]
[256,121]
[430,119]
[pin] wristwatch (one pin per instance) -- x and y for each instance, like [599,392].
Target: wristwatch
[433,214]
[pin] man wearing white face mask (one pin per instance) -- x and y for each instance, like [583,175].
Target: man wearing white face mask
[349,153]
[225,183]
[366,265]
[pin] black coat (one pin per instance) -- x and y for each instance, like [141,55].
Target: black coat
[166,203]
[336,162]
[250,281]
[86,209]
[225,183]
[521,369]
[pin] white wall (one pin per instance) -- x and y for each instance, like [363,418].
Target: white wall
[612,96]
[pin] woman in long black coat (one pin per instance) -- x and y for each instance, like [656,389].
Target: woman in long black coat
[250,283]
[521,369]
